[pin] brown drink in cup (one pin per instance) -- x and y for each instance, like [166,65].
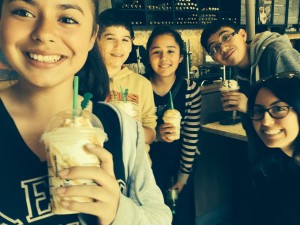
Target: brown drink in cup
[230,85]
[65,137]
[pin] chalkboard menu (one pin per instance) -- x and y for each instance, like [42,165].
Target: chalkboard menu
[279,12]
[293,12]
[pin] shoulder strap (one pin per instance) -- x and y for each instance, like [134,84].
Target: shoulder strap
[112,127]
[176,89]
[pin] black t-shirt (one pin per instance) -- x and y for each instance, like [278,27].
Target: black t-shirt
[277,200]
[166,156]
[24,189]
[162,103]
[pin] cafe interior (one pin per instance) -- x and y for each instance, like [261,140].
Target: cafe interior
[220,169]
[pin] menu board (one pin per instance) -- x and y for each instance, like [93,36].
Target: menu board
[279,12]
[293,11]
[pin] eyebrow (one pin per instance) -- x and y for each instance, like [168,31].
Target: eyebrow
[111,34]
[170,46]
[27,1]
[69,6]
[273,103]
[62,6]
[222,32]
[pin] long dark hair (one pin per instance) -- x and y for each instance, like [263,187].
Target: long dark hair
[93,75]
[162,30]
[266,160]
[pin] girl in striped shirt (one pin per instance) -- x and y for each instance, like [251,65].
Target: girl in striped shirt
[170,158]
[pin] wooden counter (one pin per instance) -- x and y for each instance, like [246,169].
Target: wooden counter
[221,175]
[232,131]
[293,35]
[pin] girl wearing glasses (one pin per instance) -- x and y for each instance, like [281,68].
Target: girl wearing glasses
[274,108]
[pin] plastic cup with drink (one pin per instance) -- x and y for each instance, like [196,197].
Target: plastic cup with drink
[227,86]
[65,137]
[125,105]
[173,116]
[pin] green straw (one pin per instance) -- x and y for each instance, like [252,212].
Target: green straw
[75,95]
[171,100]
[123,94]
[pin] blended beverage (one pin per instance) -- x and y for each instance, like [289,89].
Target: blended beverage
[64,139]
[127,107]
[173,116]
[229,85]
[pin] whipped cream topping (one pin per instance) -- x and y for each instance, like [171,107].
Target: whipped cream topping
[229,85]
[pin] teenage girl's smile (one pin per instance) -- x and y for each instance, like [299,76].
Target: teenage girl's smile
[271,132]
[44,58]
[276,133]
[165,65]
[44,61]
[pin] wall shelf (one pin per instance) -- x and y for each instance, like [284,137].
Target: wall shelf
[186,13]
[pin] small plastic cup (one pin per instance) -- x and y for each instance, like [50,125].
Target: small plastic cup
[64,138]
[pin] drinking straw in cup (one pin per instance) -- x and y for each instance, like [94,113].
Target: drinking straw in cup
[75,95]
[171,100]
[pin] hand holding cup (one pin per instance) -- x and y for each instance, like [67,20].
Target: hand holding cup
[105,194]
[172,125]
[64,139]
[170,130]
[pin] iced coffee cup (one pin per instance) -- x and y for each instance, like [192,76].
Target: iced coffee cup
[173,116]
[230,85]
[64,139]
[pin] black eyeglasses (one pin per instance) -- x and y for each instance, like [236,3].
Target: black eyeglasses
[276,112]
[225,39]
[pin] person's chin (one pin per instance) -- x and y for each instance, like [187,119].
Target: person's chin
[272,143]
[234,60]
